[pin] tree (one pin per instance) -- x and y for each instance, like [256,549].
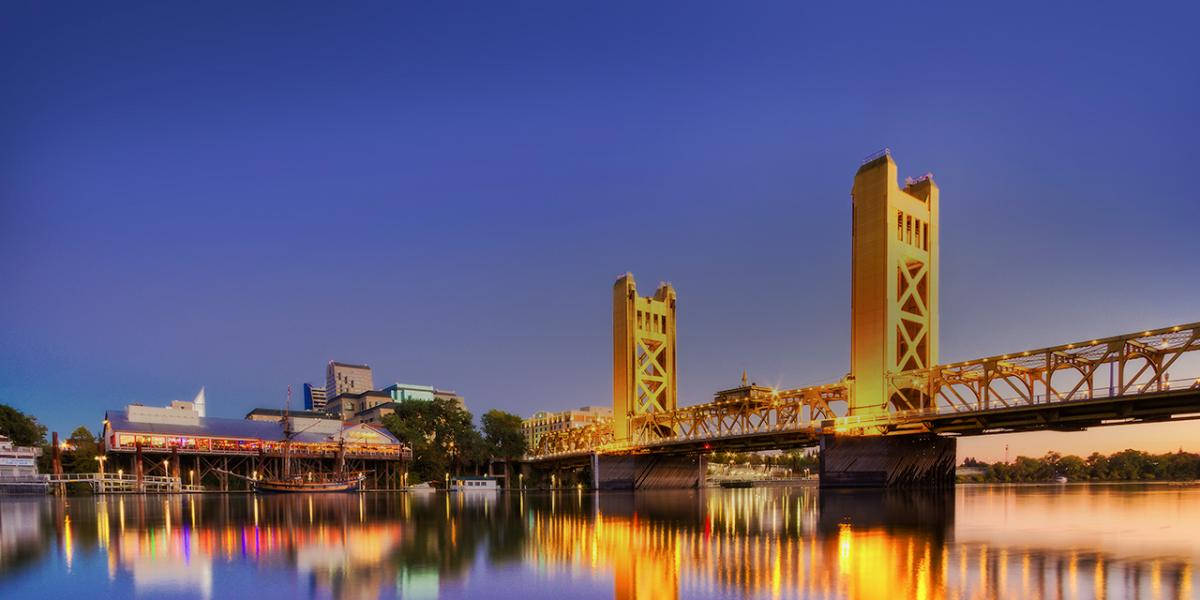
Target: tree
[82,452]
[21,428]
[504,436]
[441,435]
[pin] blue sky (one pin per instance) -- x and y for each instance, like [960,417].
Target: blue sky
[230,196]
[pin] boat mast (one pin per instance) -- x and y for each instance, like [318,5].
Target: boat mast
[341,456]
[287,435]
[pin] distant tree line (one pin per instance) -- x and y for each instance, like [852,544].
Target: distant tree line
[1126,465]
[796,461]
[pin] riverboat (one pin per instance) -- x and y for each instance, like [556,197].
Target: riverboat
[347,483]
[338,481]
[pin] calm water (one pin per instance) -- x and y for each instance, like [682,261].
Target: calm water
[977,542]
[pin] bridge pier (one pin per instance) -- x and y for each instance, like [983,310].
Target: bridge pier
[648,471]
[922,460]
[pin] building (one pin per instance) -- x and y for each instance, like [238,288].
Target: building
[452,396]
[406,391]
[549,422]
[345,378]
[314,397]
[401,392]
[176,440]
[375,414]
[18,467]
[346,406]
[302,420]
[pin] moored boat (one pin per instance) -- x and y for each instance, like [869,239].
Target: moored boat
[298,484]
[338,481]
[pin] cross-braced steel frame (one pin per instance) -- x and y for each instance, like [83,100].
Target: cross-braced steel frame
[1038,382]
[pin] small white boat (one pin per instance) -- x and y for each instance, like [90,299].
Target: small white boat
[1060,479]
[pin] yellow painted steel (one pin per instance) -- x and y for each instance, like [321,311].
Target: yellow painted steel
[895,383]
[645,378]
[894,285]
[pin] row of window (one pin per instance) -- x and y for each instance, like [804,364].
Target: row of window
[648,321]
[203,444]
[912,230]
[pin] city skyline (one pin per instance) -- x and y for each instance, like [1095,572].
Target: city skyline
[466,206]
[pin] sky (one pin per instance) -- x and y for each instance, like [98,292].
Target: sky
[228,195]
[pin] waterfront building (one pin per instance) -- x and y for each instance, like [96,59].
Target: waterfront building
[211,447]
[545,422]
[314,397]
[470,483]
[18,467]
[345,378]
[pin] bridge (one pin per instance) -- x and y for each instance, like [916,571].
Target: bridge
[893,419]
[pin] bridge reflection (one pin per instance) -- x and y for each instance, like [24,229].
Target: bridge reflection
[767,543]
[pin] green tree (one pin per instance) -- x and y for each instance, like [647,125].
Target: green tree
[21,428]
[82,452]
[503,434]
[441,435]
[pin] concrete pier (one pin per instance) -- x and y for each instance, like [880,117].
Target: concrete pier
[924,460]
[647,471]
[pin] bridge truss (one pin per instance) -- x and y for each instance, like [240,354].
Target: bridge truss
[1114,380]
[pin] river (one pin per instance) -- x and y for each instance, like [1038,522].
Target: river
[1053,541]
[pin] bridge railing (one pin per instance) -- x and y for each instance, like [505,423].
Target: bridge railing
[1139,364]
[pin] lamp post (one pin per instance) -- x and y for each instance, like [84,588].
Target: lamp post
[192,477]
[521,481]
[100,485]
[166,468]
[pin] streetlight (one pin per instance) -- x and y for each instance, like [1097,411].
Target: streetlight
[254,475]
[520,481]
[192,477]
[166,465]
[101,459]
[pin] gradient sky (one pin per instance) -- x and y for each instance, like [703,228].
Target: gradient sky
[230,196]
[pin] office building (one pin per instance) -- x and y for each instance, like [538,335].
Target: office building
[345,378]
[314,397]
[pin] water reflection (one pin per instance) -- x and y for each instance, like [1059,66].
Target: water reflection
[978,542]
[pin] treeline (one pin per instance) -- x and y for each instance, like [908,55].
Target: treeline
[444,439]
[1126,465]
[796,461]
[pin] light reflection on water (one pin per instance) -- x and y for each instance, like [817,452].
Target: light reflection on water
[977,542]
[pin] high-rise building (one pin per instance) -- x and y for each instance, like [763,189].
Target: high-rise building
[314,397]
[345,378]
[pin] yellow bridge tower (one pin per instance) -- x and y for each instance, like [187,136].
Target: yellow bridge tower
[894,286]
[644,374]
